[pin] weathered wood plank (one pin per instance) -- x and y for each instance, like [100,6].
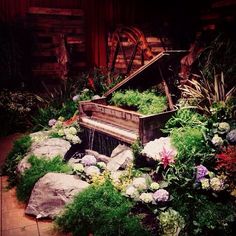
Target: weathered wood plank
[55,11]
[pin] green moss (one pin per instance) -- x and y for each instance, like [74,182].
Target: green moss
[100,210]
[20,148]
[39,167]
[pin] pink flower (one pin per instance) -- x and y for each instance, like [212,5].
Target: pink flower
[52,122]
[167,157]
[161,195]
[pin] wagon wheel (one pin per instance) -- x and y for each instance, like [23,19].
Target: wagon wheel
[137,39]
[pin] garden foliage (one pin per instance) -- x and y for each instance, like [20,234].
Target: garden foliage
[102,211]
[20,148]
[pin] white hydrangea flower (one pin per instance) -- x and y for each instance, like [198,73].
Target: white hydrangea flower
[132,192]
[78,167]
[154,186]
[146,197]
[224,127]
[76,139]
[205,183]
[60,132]
[72,130]
[140,183]
[58,125]
[217,141]
[69,137]
[216,184]
[92,170]
[67,131]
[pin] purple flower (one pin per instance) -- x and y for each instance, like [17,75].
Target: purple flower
[75,98]
[161,195]
[202,171]
[88,160]
[52,122]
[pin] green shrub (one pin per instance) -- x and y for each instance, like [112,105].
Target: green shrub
[100,210]
[146,103]
[39,167]
[184,118]
[189,142]
[202,215]
[20,148]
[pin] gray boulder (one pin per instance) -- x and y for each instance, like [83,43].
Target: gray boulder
[47,149]
[98,156]
[121,157]
[50,148]
[52,192]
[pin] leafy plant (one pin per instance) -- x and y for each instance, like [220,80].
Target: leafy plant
[146,102]
[16,109]
[206,93]
[100,210]
[39,167]
[202,215]
[184,117]
[20,148]
[189,142]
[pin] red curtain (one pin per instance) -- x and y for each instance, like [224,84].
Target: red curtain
[101,17]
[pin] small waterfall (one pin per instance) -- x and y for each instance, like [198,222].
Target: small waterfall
[91,138]
[102,143]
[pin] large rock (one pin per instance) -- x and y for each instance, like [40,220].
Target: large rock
[47,149]
[121,157]
[155,148]
[50,148]
[52,192]
[98,156]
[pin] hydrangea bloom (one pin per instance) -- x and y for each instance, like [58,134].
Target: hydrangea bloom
[75,98]
[61,132]
[216,184]
[140,183]
[78,167]
[92,170]
[154,186]
[202,171]
[76,139]
[88,160]
[205,183]
[69,137]
[224,127]
[72,130]
[217,141]
[132,192]
[52,122]
[146,197]
[161,195]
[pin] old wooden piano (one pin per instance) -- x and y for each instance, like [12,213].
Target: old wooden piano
[127,126]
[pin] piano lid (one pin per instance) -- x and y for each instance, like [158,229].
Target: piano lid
[149,74]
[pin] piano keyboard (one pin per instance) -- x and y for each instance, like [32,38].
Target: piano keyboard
[125,135]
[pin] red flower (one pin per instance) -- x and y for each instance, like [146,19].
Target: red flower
[91,83]
[227,160]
